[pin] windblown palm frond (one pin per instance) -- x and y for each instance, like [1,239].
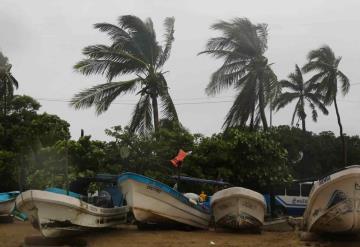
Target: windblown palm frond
[103,95]
[134,50]
[169,39]
[242,46]
[142,116]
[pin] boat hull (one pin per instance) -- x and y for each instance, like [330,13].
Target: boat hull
[152,202]
[238,208]
[56,215]
[334,204]
[6,207]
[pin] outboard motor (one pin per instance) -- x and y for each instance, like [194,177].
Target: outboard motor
[104,200]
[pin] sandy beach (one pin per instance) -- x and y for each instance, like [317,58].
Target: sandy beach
[13,234]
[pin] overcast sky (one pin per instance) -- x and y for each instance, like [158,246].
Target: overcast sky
[43,40]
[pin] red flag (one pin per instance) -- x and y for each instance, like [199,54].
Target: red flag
[177,161]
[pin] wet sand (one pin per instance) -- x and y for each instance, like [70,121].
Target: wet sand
[13,234]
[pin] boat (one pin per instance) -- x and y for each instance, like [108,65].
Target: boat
[334,203]
[238,208]
[152,202]
[57,213]
[290,200]
[7,202]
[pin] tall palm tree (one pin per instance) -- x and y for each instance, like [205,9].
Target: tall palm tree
[303,92]
[326,65]
[134,50]
[242,46]
[7,83]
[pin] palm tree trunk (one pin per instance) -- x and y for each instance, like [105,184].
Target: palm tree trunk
[262,108]
[5,105]
[271,110]
[341,133]
[303,115]
[252,127]
[303,124]
[155,112]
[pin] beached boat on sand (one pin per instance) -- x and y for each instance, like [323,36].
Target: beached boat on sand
[7,202]
[153,202]
[334,203]
[238,208]
[56,214]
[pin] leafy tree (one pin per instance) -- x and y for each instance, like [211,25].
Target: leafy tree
[242,46]
[134,50]
[250,159]
[326,65]
[302,92]
[27,134]
[7,83]
[8,174]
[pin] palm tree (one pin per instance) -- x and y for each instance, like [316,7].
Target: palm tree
[242,46]
[7,83]
[134,50]
[302,92]
[326,65]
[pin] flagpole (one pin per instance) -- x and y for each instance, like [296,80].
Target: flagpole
[178,175]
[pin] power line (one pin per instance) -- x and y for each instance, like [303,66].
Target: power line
[179,103]
[128,103]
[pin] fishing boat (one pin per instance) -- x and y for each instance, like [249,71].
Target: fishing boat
[238,208]
[7,202]
[57,213]
[153,202]
[334,203]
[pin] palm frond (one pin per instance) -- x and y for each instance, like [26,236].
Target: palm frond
[289,84]
[141,121]
[169,38]
[101,96]
[116,33]
[296,110]
[284,99]
[243,105]
[316,99]
[224,77]
[345,82]
[313,112]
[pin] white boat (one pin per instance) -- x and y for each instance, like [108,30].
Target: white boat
[238,208]
[56,213]
[334,203]
[7,202]
[153,202]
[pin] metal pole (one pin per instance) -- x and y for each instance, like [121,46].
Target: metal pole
[66,169]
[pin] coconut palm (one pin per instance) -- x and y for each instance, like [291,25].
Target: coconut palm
[326,65]
[134,50]
[242,46]
[7,83]
[303,92]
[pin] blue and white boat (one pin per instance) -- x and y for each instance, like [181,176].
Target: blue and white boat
[291,200]
[57,213]
[7,202]
[153,202]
